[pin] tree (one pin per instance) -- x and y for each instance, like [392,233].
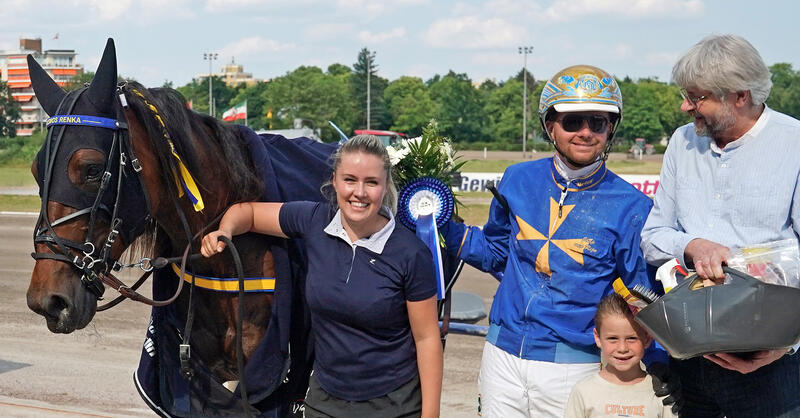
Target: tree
[379,116]
[785,94]
[503,110]
[257,111]
[9,111]
[410,105]
[197,92]
[460,114]
[309,94]
[79,81]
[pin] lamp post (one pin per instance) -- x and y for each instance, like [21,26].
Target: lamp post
[210,56]
[369,71]
[525,50]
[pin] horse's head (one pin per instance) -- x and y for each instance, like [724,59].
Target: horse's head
[92,203]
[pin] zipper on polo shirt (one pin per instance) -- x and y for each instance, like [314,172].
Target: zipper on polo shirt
[352,261]
[561,201]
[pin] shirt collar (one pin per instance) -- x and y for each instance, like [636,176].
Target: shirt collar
[374,242]
[751,133]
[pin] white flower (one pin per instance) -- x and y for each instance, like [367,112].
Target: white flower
[397,154]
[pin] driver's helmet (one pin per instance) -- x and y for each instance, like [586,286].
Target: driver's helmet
[581,88]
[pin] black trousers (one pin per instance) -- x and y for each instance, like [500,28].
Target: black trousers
[405,401]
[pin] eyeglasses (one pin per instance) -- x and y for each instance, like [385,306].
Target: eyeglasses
[574,123]
[694,101]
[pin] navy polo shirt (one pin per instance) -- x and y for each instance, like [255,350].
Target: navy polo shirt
[357,295]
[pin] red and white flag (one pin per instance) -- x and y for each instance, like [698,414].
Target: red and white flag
[236,113]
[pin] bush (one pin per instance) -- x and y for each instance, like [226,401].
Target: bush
[20,150]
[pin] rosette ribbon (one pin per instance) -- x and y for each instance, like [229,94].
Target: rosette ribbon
[425,204]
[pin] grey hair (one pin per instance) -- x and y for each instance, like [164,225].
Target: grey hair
[724,64]
[368,144]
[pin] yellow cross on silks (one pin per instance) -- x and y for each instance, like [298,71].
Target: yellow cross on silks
[573,247]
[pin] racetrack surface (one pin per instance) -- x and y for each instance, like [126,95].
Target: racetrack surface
[89,373]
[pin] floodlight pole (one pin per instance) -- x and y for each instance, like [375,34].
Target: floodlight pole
[210,57]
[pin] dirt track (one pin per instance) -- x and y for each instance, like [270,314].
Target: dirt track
[88,373]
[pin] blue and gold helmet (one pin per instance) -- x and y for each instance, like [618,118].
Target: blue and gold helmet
[581,88]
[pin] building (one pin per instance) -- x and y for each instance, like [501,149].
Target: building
[232,75]
[59,63]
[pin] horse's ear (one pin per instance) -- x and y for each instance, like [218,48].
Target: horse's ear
[101,91]
[47,91]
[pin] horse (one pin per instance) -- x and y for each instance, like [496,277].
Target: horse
[125,167]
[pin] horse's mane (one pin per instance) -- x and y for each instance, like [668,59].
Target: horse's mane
[189,132]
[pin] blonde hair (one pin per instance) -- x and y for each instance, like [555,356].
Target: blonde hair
[367,144]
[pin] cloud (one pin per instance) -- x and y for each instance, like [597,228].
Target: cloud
[622,50]
[327,31]
[470,32]
[563,10]
[376,38]
[662,58]
[253,46]
[370,8]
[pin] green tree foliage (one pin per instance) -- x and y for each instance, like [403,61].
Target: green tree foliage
[460,116]
[379,115]
[785,94]
[410,105]
[9,111]
[503,109]
[651,110]
[197,93]
[79,81]
[257,111]
[309,94]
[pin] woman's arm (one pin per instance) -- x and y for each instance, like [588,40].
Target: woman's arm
[424,322]
[261,217]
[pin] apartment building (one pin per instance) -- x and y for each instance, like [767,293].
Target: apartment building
[59,63]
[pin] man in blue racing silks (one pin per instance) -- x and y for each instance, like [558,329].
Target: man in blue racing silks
[563,229]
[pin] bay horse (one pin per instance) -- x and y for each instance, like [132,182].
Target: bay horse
[130,168]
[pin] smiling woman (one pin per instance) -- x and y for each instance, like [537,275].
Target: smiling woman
[370,289]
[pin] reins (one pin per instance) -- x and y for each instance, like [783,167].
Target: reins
[95,266]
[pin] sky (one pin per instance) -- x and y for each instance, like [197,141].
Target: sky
[164,40]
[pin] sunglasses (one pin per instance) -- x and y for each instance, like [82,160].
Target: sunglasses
[574,123]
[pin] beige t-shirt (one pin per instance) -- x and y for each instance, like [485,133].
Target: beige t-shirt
[597,397]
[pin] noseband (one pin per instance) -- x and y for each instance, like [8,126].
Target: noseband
[84,257]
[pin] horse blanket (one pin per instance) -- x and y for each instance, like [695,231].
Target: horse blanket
[277,374]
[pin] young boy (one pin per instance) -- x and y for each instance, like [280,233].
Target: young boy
[621,388]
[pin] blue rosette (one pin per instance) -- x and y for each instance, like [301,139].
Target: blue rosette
[425,196]
[424,205]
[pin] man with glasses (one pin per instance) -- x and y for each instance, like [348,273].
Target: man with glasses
[729,179]
[560,231]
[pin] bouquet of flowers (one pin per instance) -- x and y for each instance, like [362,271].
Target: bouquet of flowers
[423,170]
[430,155]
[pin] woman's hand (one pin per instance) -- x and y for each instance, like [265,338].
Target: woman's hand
[212,245]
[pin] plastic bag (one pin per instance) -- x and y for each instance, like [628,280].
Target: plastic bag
[776,262]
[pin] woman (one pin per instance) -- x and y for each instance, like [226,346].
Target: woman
[370,290]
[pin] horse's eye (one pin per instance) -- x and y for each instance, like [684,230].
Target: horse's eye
[94,172]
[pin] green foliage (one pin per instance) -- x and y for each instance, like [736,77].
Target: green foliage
[309,94]
[9,111]
[428,156]
[197,93]
[410,105]
[460,112]
[785,94]
[379,114]
[20,150]
[79,81]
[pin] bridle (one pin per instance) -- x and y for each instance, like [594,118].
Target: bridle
[92,262]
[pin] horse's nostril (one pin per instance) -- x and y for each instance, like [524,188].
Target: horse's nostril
[55,306]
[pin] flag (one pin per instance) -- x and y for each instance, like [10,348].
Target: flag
[55,36]
[235,113]
[189,104]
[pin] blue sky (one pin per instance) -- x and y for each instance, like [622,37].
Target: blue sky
[160,40]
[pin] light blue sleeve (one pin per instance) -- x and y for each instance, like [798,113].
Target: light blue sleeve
[663,238]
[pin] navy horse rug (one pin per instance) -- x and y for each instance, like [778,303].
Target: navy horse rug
[276,374]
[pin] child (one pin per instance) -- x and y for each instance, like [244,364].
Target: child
[621,388]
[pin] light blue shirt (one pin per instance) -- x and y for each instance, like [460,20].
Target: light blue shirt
[744,194]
